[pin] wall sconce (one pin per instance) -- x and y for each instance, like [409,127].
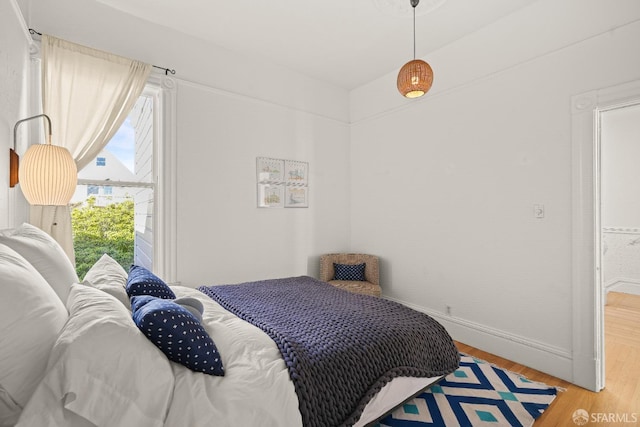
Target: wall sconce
[48,174]
[14,160]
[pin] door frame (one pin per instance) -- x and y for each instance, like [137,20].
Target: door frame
[588,301]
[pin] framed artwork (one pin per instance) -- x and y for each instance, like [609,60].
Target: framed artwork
[296,197]
[271,195]
[295,173]
[282,183]
[270,170]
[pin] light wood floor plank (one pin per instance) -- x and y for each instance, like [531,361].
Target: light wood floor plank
[622,392]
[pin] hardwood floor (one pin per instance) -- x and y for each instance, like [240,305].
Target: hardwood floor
[619,403]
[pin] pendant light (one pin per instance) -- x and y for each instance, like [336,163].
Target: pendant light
[416,76]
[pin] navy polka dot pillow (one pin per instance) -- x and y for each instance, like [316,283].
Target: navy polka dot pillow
[177,333]
[143,282]
[349,272]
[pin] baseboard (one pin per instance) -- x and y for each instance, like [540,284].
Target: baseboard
[542,357]
[627,286]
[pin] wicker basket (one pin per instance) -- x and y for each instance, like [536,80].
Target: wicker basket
[371,273]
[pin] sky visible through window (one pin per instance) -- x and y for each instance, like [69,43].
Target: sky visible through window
[122,145]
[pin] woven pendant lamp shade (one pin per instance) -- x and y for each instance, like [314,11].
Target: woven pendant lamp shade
[48,175]
[415,78]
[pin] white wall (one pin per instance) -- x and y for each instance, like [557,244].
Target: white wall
[231,109]
[443,188]
[222,233]
[14,95]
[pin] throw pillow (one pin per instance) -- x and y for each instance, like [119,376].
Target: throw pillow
[177,333]
[109,276]
[45,254]
[102,371]
[31,316]
[349,272]
[143,282]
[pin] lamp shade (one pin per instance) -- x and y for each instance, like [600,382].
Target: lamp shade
[415,78]
[48,175]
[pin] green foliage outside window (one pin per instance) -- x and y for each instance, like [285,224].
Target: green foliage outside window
[102,229]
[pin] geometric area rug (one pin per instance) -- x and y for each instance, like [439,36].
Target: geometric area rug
[477,394]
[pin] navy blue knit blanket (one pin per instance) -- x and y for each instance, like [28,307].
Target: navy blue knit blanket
[340,348]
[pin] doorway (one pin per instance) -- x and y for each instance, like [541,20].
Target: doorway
[620,198]
[588,364]
[617,214]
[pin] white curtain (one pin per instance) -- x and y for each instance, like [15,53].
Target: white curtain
[88,94]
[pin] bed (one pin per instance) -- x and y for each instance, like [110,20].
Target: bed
[89,361]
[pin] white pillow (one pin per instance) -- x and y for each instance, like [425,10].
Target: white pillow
[45,254]
[109,276]
[31,316]
[102,369]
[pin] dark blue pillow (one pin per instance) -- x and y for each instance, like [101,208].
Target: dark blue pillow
[177,333]
[143,282]
[140,300]
[349,272]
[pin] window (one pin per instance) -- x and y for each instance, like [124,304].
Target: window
[119,206]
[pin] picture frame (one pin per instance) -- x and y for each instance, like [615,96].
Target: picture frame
[296,197]
[271,195]
[269,170]
[282,183]
[296,173]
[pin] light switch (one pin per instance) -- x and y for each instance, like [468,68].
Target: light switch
[538,211]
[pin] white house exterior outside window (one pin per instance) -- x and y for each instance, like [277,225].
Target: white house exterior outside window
[109,180]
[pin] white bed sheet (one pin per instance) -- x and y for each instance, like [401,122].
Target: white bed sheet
[392,395]
[247,342]
[256,389]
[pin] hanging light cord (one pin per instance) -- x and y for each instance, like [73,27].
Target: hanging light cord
[414,28]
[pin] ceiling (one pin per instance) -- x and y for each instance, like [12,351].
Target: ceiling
[344,42]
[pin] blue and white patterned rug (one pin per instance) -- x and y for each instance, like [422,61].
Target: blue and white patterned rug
[477,394]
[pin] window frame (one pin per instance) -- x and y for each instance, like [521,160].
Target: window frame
[161,89]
